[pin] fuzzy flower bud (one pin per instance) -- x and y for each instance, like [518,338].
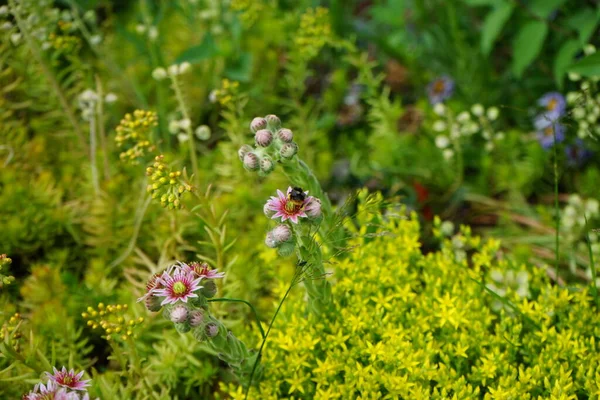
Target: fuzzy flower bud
[179,314]
[286,249]
[285,135]
[266,165]
[313,208]
[209,289]
[245,149]
[251,162]
[288,150]
[258,124]
[196,318]
[263,137]
[282,233]
[153,303]
[273,121]
[211,330]
[270,240]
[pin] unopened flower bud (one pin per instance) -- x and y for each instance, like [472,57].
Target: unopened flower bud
[159,74]
[273,121]
[179,314]
[153,303]
[282,233]
[184,67]
[266,165]
[211,330]
[270,240]
[313,208]
[245,149]
[288,150]
[263,137]
[285,135]
[258,124]
[251,162]
[209,288]
[203,132]
[286,249]
[196,318]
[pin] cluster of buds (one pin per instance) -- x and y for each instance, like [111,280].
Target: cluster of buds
[10,331]
[87,100]
[61,385]
[166,184]
[172,71]
[290,210]
[5,279]
[113,319]
[272,144]
[133,133]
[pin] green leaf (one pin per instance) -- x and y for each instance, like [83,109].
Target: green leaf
[203,51]
[584,23]
[241,69]
[493,24]
[527,45]
[564,58]
[543,8]
[475,3]
[589,66]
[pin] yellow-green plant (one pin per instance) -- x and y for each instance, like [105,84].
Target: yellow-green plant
[408,325]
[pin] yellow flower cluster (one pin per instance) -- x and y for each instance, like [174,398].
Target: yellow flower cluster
[314,32]
[113,320]
[227,93]
[4,279]
[133,133]
[64,43]
[10,331]
[404,325]
[166,184]
[250,10]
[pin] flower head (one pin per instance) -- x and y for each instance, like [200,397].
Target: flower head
[547,135]
[291,205]
[201,270]
[68,379]
[577,153]
[440,89]
[180,285]
[554,104]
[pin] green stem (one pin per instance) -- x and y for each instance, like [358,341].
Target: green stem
[264,341]
[592,264]
[93,150]
[101,129]
[224,299]
[49,75]
[557,211]
[186,116]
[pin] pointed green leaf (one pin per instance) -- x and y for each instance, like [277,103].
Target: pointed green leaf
[564,59]
[493,24]
[206,49]
[527,45]
[589,66]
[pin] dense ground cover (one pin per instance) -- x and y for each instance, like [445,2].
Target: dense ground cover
[299,199]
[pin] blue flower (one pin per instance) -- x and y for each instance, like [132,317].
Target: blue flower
[577,153]
[546,135]
[554,104]
[440,89]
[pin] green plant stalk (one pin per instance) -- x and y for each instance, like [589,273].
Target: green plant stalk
[264,341]
[46,70]
[101,129]
[592,264]
[190,133]
[93,151]
[223,299]
[556,209]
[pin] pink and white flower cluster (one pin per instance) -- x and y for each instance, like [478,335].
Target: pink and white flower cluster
[179,282]
[61,385]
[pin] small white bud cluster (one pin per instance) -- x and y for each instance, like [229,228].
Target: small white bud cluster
[585,109]
[452,127]
[173,70]
[150,31]
[88,99]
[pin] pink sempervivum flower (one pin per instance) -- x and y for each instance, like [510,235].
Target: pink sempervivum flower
[289,206]
[68,379]
[41,391]
[202,270]
[179,286]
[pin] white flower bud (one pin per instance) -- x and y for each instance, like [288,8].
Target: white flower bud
[139,28]
[263,137]
[179,314]
[152,33]
[257,124]
[203,132]
[492,113]
[159,74]
[251,162]
[285,135]
[245,149]
[185,67]
[185,124]
[174,127]
[442,142]
[439,109]
[439,126]
[110,98]
[463,116]
[281,233]
[477,110]
[173,70]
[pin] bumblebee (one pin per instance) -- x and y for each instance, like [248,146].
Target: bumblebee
[296,198]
